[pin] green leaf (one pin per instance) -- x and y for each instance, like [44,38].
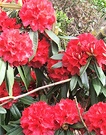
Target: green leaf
[57,65]
[43,98]
[53,36]
[63,91]
[2,110]
[97,85]
[100,74]
[2,70]
[68,37]
[27,100]
[22,76]
[57,56]
[10,79]
[83,68]
[73,82]
[69,132]
[34,38]
[15,131]
[104,90]
[77,126]
[84,79]
[15,112]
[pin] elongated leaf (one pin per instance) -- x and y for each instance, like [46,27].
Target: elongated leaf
[10,79]
[100,74]
[83,68]
[22,76]
[27,100]
[57,56]
[73,82]
[54,48]
[68,37]
[15,112]
[85,81]
[69,132]
[2,70]
[2,110]
[97,85]
[34,38]
[77,126]
[15,131]
[57,65]
[53,36]
[43,98]
[104,90]
[63,91]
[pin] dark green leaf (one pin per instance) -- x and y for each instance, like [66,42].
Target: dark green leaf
[43,98]
[100,74]
[2,70]
[97,85]
[83,68]
[63,91]
[22,76]
[68,37]
[73,82]
[15,131]
[10,79]
[77,126]
[7,127]
[57,65]
[27,100]
[69,132]
[34,38]
[2,110]
[54,48]
[57,56]
[15,112]
[84,79]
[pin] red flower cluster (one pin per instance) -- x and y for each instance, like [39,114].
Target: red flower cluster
[4,93]
[80,49]
[6,22]
[39,14]
[38,119]
[42,119]
[95,118]
[41,55]
[15,47]
[57,74]
[67,112]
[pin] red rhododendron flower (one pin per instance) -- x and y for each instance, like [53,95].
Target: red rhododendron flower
[38,119]
[41,55]
[66,112]
[39,14]
[93,47]
[57,74]
[95,118]
[15,47]
[74,57]
[4,93]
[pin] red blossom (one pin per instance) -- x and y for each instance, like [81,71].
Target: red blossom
[66,112]
[57,74]
[38,119]
[4,93]
[15,47]
[95,118]
[74,57]
[39,14]
[93,47]
[41,55]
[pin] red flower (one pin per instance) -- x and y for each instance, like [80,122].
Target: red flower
[95,118]
[41,55]
[38,119]
[15,47]
[66,112]
[4,93]
[57,74]
[74,57]
[39,14]
[93,47]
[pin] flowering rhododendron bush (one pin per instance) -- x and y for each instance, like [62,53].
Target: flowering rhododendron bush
[47,87]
